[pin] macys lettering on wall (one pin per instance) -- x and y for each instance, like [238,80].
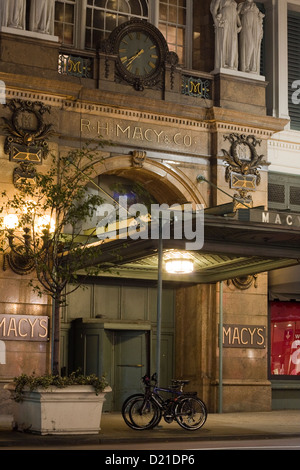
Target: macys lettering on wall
[244,336]
[128,132]
[24,328]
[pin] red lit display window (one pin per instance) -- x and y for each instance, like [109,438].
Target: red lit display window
[285,338]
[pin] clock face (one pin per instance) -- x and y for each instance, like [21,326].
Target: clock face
[139,54]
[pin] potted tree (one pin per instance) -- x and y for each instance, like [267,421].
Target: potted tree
[46,238]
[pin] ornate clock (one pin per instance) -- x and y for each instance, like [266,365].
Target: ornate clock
[141,52]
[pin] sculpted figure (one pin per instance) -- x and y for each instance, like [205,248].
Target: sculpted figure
[250,37]
[3,12]
[12,13]
[214,6]
[227,26]
[42,16]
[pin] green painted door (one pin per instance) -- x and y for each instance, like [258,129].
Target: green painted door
[131,359]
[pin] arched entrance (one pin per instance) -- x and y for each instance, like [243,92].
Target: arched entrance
[164,182]
[118,334]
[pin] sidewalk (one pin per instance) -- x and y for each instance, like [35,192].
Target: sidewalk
[273,424]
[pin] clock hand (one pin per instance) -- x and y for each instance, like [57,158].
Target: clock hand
[135,56]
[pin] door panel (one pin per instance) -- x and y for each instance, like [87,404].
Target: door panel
[131,353]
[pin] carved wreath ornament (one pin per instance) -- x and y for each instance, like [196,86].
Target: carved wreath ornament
[26,126]
[242,157]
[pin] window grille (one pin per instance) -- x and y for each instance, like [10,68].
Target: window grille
[295,195]
[76,66]
[284,192]
[276,193]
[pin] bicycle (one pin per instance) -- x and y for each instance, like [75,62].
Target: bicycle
[144,411]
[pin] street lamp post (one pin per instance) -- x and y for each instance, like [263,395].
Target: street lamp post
[159,299]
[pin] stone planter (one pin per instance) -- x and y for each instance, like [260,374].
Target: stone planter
[75,409]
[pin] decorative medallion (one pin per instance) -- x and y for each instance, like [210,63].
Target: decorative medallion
[244,282]
[243,163]
[26,131]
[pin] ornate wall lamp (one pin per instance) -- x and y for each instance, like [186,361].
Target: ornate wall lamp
[20,258]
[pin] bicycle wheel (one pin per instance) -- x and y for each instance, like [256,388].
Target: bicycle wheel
[190,413]
[143,414]
[127,405]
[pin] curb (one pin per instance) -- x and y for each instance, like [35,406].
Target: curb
[28,440]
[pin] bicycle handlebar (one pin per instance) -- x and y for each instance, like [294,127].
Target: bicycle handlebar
[175,382]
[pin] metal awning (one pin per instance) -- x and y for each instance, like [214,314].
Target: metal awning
[233,247]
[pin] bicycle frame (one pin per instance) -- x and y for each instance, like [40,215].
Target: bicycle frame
[164,404]
[159,400]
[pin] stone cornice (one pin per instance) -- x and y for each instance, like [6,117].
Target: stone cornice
[222,119]
[213,119]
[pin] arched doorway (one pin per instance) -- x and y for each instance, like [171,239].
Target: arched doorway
[116,334]
[162,180]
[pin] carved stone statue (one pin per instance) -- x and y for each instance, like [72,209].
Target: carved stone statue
[250,37]
[3,12]
[42,16]
[12,13]
[227,26]
[214,6]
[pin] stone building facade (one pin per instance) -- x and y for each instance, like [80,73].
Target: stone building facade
[178,135]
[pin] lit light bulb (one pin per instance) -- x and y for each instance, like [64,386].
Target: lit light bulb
[11,221]
[179,266]
[29,206]
[44,223]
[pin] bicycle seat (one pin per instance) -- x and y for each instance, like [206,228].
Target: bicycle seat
[179,382]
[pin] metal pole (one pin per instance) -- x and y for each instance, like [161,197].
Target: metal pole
[52,334]
[201,178]
[159,296]
[221,348]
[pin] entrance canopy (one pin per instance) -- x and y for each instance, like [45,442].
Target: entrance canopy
[247,242]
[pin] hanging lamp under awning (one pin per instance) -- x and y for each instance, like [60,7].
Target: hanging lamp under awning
[179,265]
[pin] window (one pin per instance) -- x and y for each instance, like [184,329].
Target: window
[64,21]
[172,23]
[102,16]
[284,192]
[285,338]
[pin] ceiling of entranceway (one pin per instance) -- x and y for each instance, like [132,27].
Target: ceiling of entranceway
[207,267]
[232,248]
